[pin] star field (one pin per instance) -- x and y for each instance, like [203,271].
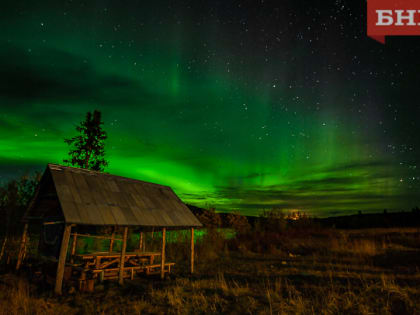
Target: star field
[236,105]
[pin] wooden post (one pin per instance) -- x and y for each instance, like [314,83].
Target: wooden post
[73,246]
[22,246]
[141,241]
[122,257]
[62,259]
[111,243]
[3,247]
[162,261]
[192,250]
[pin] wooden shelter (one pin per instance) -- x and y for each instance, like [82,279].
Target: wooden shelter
[68,197]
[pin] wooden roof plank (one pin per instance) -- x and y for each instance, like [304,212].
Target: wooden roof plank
[93,183]
[130,200]
[119,198]
[127,187]
[129,216]
[84,216]
[139,202]
[166,218]
[112,185]
[107,215]
[82,189]
[106,194]
[99,198]
[173,213]
[142,194]
[64,193]
[70,211]
[80,181]
[141,216]
[154,217]
[59,178]
[94,214]
[72,187]
[118,215]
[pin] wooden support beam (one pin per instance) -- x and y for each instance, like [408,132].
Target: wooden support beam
[122,257]
[3,247]
[141,242]
[73,247]
[62,259]
[98,236]
[192,250]
[162,261]
[111,243]
[22,246]
[55,222]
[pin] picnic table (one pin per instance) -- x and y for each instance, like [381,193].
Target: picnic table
[105,266]
[103,260]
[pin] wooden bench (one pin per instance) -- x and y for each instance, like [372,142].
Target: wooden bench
[155,269]
[129,272]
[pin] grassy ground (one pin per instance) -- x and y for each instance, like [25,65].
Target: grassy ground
[373,271]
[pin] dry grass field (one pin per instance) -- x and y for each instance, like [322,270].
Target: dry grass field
[375,271]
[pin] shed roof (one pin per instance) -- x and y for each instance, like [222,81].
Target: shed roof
[95,198]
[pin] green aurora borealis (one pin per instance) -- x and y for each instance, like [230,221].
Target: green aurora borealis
[193,100]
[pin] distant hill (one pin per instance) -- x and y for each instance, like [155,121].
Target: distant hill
[357,221]
[373,220]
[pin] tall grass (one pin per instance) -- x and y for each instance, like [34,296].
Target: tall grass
[221,295]
[17,297]
[260,271]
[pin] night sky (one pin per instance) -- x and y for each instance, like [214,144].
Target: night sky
[238,105]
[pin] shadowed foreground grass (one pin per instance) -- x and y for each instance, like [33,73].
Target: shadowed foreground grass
[333,272]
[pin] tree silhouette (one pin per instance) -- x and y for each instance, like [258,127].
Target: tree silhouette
[87,149]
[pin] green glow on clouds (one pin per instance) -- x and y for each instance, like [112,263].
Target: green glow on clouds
[176,116]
